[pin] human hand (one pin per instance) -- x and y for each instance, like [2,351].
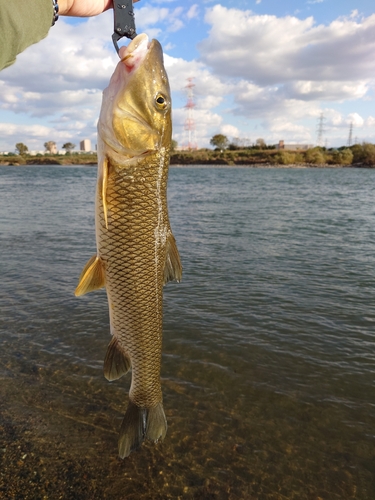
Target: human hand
[84,8]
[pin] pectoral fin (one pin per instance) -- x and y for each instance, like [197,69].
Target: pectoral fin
[116,362]
[173,267]
[92,277]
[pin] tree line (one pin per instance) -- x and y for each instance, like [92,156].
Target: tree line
[240,150]
[357,154]
[50,146]
[221,141]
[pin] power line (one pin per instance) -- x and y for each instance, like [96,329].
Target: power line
[320,130]
[189,121]
[350,138]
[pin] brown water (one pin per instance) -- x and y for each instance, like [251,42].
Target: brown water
[268,358]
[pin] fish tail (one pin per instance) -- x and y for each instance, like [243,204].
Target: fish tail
[138,424]
[156,423]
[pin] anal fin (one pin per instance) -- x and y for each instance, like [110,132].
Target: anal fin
[173,267]
[116,362]
[92,277]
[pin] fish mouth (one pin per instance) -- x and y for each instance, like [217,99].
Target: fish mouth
[133,54]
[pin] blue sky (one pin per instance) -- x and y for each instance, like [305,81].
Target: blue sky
[262,69]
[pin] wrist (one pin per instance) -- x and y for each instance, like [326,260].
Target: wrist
[64,7]
[55,12]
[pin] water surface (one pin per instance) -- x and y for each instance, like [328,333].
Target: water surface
[268,359]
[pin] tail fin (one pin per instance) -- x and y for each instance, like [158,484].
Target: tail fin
[138,424]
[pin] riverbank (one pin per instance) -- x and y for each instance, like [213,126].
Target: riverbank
[358,157]
[19,160]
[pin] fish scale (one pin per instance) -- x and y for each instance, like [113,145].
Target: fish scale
[136,250]
[130,213]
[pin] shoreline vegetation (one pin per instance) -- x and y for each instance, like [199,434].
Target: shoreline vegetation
[357,156]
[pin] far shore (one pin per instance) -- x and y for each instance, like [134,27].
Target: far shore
[256,158]
[198,164]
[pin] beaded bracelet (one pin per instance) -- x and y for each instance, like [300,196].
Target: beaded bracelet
[55,12]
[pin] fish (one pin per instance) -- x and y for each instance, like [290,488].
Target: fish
[136,250]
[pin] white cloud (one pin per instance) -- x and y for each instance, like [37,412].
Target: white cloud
[206,125]
[70,58]
[61,79]
[355,119]
[281,70]
[34,136]
[207,88]
[370,121]
[269,102]
[335,118]
[209,92]
[276,73]
[193,11]
[147,17]
[175,26]
[328,90]
[229,130]
[268,50]
[9,129]
[58,82]
[354,13]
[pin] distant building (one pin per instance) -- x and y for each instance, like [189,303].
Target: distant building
[85,145]
[293,147]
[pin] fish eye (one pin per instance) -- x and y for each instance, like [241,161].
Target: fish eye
[161,102]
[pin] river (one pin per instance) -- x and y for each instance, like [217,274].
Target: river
[268,354]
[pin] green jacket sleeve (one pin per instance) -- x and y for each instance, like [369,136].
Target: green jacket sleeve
[22,23]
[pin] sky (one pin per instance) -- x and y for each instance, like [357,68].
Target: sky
[261,69]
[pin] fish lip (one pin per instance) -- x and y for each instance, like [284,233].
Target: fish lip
[126,57]
[150,45]
[133,55]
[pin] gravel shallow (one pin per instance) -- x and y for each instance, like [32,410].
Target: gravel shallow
[52,451]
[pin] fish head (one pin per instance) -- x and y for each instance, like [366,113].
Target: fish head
[136,111]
